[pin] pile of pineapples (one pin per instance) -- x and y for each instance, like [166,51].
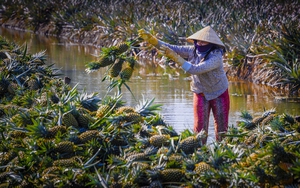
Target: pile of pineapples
[54,136]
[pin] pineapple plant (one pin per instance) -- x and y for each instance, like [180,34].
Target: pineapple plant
[124,109]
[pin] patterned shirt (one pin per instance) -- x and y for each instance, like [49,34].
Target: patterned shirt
[208,77]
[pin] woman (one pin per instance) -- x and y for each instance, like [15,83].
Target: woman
[204,61]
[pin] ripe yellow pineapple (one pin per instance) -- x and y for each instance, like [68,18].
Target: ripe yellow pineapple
[159,140]
[201,167]
[172,175]
[124,109]
[102,110]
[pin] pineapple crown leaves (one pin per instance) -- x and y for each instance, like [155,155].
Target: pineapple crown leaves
[145,107]
[70,96]
[90,101]
[246,115]
[37,129]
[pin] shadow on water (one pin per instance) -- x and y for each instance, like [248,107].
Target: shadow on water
[149,82]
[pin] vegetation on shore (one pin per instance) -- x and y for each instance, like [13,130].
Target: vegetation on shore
[261,37]
[52,135]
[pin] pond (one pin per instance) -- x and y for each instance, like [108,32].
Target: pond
[148,82]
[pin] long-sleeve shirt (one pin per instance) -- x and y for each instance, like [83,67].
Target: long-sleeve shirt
[208,76]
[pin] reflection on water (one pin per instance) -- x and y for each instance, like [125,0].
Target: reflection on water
[148,83]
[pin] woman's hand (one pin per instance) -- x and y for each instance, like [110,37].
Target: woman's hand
[148,37]
[166,51]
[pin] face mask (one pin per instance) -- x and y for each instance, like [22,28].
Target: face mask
[204,48]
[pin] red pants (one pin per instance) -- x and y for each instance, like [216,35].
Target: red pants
[220,109]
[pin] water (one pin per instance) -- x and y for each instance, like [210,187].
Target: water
[148,82]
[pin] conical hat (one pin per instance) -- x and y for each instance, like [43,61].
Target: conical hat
[206,34]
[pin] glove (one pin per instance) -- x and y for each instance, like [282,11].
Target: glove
[166,51]
[148,37]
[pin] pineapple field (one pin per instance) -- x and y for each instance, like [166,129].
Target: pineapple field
[53,135]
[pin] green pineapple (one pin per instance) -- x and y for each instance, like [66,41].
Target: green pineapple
[71,162]
[65,147]
[116,68]
[189,144]
[105,61]
[16,134]
[52,132]
[159,140]
[201,167]
[122,47]
[133,117]
[88,135]
[126,73]
[172,175]
[69,120]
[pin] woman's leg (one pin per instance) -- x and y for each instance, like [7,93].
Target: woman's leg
[220,108]
[201,114]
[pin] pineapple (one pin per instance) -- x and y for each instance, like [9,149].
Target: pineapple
[88,135]
[116,68]
[69,120]
[267,120]
[51,170]
[105,61]
[201,167]
[71,162]
[102,110]
[159,140]
[65,147]
[126,73]
[189,144]
[172,175]
[133,117]
[17,134]
[121,48]
[124,109]
[52,132]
